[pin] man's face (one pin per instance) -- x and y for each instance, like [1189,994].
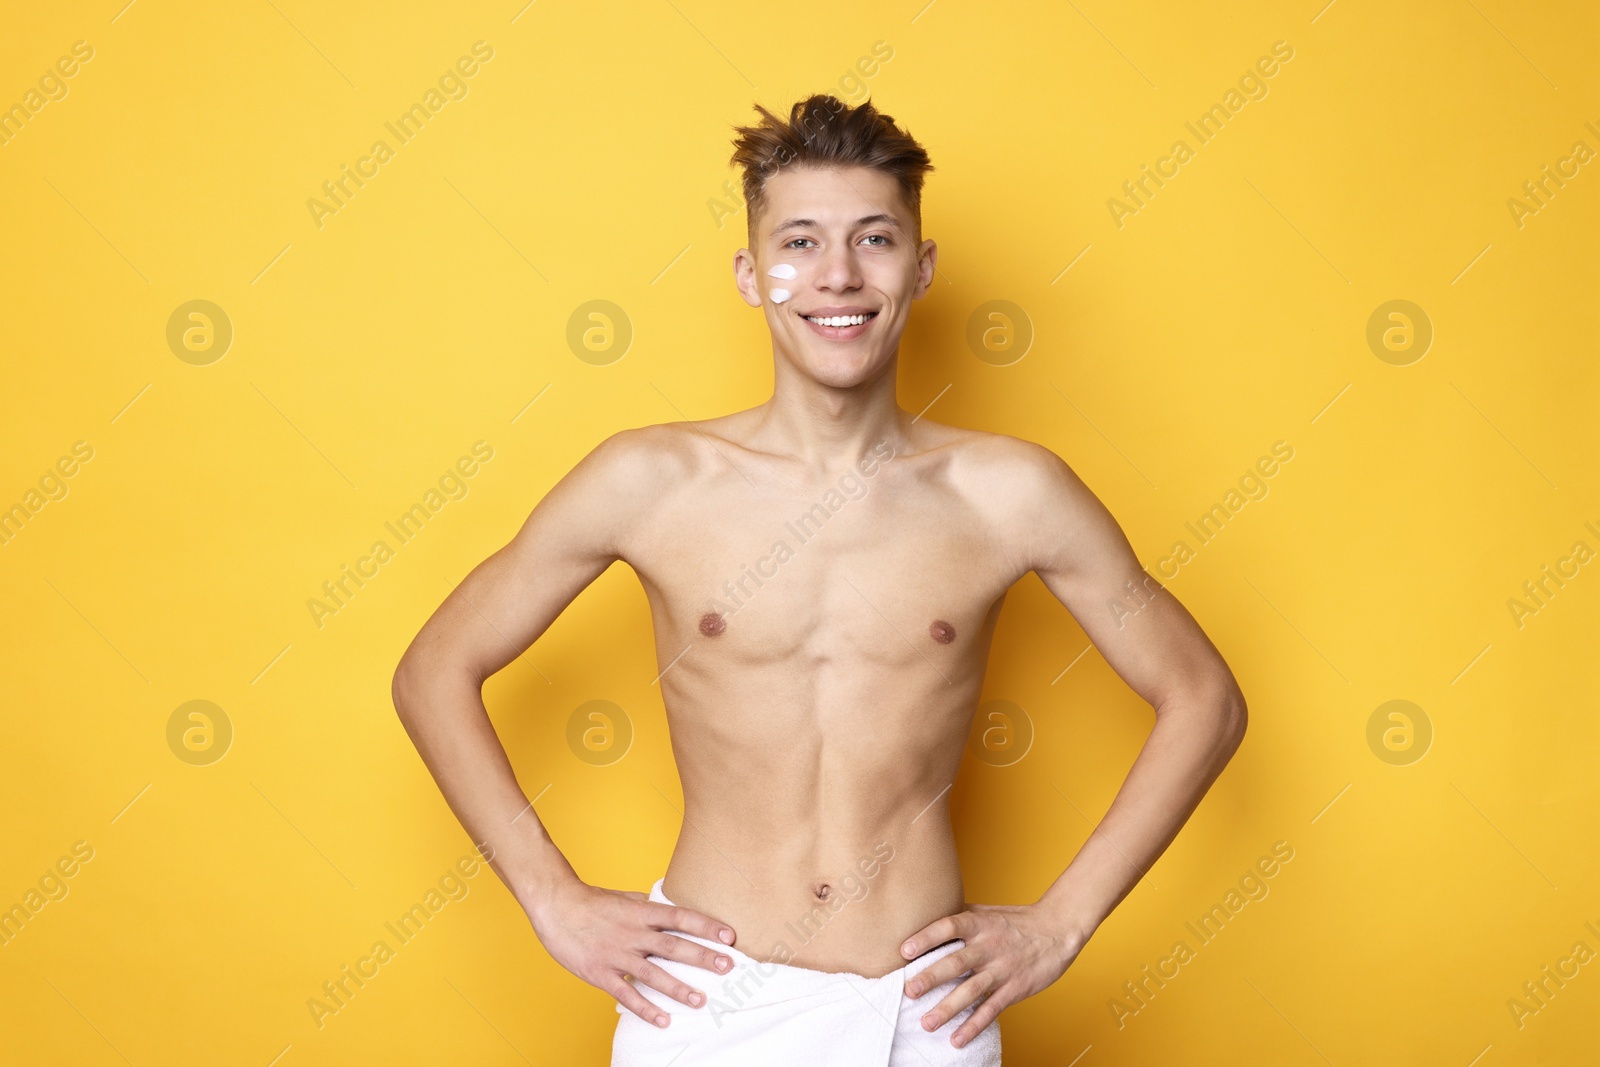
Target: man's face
[847,236]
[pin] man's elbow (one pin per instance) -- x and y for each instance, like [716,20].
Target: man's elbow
[422,680]
[406,687]
[1214,709]
[1235,717]
[401,687]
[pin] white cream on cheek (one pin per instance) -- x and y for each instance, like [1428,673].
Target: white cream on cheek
[786,272]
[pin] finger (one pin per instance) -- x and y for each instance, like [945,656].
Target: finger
[935,933]
[943,969]
[671,985]
[637,1003]
[962,995]
[981,1017]
[672,917]
[694,954]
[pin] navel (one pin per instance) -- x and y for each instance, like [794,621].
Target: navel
[712,624]
[822,891]
[942,631]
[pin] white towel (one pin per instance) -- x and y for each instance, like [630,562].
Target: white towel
[777,1015]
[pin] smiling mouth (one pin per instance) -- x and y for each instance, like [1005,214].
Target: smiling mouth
[840,327]
[837,321]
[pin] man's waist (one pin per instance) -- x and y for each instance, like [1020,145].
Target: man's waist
[847,914]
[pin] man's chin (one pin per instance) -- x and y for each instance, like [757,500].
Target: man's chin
[841,368]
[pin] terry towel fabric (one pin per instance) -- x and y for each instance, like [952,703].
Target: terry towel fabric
[776,1015]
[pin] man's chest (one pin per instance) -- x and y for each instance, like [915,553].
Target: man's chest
[876,575]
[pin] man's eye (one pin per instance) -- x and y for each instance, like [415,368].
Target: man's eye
[791,242]
[876,237]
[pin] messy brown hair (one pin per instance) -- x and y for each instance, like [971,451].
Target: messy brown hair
[824,131]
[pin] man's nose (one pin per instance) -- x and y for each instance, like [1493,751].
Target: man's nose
[839,269]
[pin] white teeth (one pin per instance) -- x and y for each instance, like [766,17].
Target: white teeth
[837,320]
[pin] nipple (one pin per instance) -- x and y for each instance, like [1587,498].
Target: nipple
[942,631]
[712,624]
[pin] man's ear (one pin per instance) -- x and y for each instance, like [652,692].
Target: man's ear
[927,256]
[744,276]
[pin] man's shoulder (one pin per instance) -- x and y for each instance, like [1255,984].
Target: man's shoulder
[636,469]
[1029,499]
[621,481]
[658,452]
[992,465]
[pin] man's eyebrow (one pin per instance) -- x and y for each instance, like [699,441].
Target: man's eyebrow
[865,220]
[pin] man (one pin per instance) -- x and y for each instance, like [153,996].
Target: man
[824,574]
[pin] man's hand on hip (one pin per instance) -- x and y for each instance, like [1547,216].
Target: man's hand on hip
[602,935]
[1012,950]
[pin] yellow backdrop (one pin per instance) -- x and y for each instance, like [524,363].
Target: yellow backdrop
[1305,293]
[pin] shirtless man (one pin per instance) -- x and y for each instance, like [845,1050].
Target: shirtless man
[824,574]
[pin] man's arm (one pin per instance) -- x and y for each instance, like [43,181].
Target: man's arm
[1154,645]
[1049,522]
[497,611]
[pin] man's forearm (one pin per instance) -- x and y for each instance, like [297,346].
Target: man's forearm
[444,715]
[1194,737]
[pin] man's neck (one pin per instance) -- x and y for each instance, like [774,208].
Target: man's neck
[827,428]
